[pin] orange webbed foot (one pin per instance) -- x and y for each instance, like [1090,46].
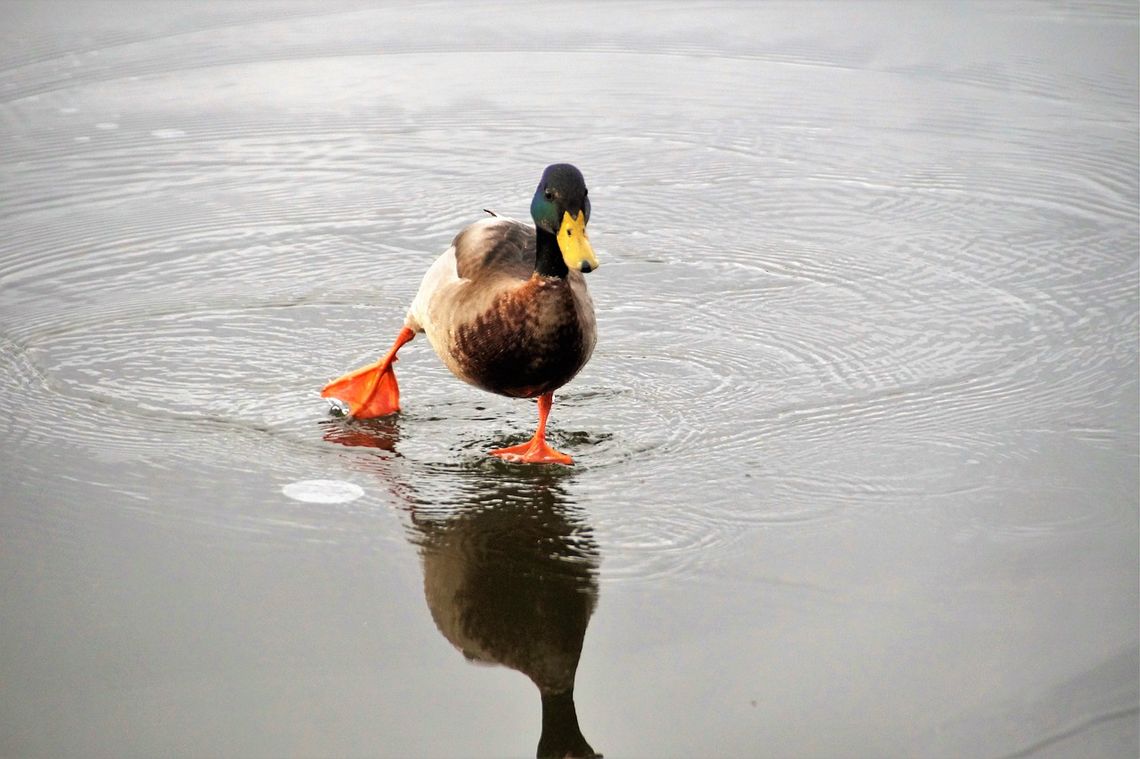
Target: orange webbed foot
[536,451]
[370,391]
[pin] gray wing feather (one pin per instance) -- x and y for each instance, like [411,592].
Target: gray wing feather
[495,247]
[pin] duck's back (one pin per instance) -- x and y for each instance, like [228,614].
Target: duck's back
[497,324]
[497,247]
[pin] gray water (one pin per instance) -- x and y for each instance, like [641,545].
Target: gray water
[857,453]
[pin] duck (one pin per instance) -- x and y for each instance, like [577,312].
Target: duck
[505,308]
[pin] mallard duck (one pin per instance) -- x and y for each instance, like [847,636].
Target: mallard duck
[505,308]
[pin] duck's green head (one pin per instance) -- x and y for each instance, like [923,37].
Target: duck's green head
[560,207]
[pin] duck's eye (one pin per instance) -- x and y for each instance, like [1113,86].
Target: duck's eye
[548,195]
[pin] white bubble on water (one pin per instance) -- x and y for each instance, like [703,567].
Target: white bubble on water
[323,491]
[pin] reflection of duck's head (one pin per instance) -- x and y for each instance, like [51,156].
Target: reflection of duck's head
[510,576]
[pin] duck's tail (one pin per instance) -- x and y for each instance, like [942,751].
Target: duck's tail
[370,391]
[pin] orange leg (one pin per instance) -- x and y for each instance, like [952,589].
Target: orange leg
[371,391]
[536,451]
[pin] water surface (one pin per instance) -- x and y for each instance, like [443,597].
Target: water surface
[857,451]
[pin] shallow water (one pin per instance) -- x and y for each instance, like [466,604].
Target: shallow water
[857,453]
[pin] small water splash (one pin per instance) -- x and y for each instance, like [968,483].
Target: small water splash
[338,408]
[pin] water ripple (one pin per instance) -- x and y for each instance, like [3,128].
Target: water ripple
[796,296]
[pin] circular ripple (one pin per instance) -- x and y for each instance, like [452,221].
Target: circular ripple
[818,299]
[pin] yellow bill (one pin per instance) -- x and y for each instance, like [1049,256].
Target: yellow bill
[574,244]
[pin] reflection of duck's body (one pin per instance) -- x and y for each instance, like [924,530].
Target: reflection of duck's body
[514,583]
[506,309]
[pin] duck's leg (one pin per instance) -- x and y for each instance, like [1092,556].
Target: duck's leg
[536,451]
[371,391]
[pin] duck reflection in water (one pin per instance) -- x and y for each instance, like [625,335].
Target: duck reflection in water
[510,577]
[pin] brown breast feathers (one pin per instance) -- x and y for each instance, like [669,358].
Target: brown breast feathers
[528,341]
